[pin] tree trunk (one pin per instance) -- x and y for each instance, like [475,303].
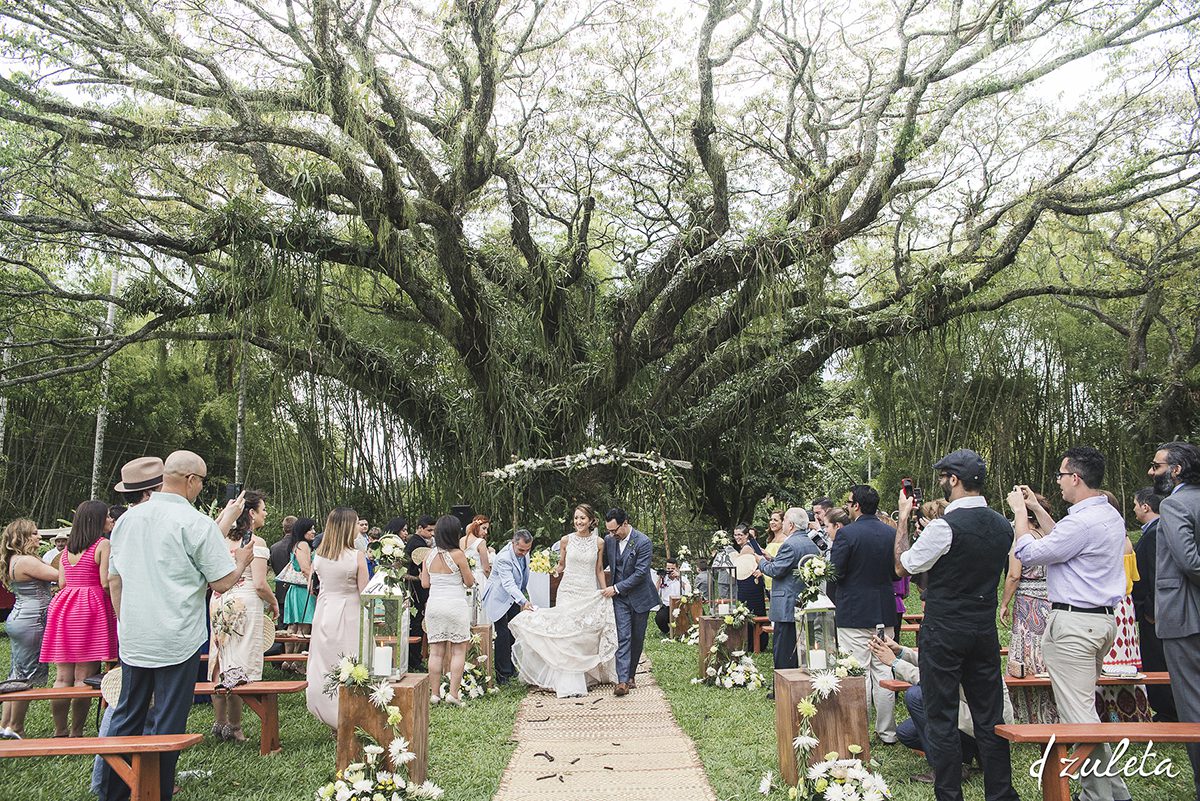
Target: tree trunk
[110,320]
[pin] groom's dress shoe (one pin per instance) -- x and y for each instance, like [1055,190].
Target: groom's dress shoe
[621,689]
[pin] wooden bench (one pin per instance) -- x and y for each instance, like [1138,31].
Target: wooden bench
[913,617]
[762,625]
[274,657]
[134,759]
[895,685]
[261,696]
[1059,769]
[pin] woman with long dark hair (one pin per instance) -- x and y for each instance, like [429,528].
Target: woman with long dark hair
[81,629]
[447,575]
[299,604]
[235,651]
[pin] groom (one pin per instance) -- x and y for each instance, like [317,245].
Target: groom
[504,598]
[628,552]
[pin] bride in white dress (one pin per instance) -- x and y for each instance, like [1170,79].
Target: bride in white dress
[474,545]
[572,645]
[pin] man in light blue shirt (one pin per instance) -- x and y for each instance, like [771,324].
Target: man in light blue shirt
[1085,577]
[164,555]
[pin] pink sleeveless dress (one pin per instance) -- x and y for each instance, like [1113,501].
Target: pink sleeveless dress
[80,624]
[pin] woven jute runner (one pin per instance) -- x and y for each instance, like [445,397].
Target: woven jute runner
[603,748]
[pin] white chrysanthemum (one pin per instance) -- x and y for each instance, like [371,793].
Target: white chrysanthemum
[712,671]
[343,793]
[872,795]
[805,743]
[764,786]
[381,694]
[825,684]
[345,668]
[835,792]
[876,782]
[818,770]
[427,790]
[399,753]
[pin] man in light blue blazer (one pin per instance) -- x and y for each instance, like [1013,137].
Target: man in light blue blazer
[628,552]
[504,598]
[785,586]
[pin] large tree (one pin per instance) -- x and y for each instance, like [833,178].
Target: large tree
[528,225]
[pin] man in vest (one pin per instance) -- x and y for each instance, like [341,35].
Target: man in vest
[964,553]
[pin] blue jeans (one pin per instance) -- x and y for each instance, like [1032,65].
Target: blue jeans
[912,731]
[170,688]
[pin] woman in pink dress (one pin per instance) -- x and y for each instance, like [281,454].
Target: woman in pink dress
[81,629]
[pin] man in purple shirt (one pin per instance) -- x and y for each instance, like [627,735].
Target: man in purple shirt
[1085,578]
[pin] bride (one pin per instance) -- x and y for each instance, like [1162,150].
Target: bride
[571,645]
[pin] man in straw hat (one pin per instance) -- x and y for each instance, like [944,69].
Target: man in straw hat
[164,554]
[139,478]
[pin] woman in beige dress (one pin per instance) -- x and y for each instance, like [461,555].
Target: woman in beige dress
[342,570]
[235,651]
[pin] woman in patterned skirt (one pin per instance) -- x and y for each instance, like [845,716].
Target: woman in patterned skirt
[1124,703]
[1025,587]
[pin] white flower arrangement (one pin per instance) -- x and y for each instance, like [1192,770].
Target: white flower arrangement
[477,680]
[731,669]
[645,463]
[720,539]
[814,571]
[837,779]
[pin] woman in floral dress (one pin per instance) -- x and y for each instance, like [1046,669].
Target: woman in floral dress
[236,647]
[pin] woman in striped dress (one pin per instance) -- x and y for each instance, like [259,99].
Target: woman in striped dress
[81,629]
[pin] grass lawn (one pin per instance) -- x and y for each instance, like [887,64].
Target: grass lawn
[734,732]
[469,749]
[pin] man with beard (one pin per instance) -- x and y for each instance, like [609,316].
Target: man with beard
[959,642]
[1176,473]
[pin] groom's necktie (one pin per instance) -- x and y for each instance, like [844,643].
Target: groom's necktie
[616,567]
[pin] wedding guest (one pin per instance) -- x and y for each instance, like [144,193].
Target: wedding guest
[164,555]
[1145,508]
[959,642]
[775,526]
[1025,587]
[342,571]
[702,577]
[1084,581]
[299,605]
[114,514]
[29,580]
[1124,703]
[399,527]
[60,545]
[360,538]
[419,595]
[903,664]
[1176,473]
[235,652]
[786,587]
[474,545]
[750,589]
[278,560]
[81,630]
[861,556]
[447,575]
[836,519]
[669,585]
[504,598]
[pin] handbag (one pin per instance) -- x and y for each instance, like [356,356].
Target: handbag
[290,575]
[15,686]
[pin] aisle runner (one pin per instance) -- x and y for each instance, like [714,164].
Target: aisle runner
[604,748]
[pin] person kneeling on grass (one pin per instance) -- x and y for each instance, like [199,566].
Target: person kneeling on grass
[903,664]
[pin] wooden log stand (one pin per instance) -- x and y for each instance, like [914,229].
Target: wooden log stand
[710,627]
[355,711]
[841,720]
[484,633]
[689,614]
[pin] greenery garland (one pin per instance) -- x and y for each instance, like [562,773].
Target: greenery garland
[647,464]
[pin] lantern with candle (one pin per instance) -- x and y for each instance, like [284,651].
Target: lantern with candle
[383,629]
[816,626]
[722,575]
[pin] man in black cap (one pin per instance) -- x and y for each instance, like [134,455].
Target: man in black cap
[964,553]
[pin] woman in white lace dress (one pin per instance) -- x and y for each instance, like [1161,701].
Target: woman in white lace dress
[475,546]
[447,576]
[573,644]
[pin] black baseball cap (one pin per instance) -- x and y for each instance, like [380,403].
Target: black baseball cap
[964,463]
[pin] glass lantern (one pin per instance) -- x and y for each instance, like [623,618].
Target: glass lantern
[383,625]
[816,634]
[722,582]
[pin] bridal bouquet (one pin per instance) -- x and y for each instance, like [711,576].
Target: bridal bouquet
[543,561]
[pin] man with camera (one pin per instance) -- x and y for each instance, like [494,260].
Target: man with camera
[670,585]
[959,642]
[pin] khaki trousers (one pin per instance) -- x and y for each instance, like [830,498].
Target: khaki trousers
[854,642]
[1074,646]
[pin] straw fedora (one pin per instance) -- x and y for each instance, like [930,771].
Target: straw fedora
[141,474]
[110,686]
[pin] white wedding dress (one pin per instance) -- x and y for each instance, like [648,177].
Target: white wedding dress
[571,645]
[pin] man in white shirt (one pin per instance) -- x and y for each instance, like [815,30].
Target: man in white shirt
[670,585]
[60,545]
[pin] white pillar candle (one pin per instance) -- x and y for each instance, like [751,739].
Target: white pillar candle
[722,609]
[381,663]
[817,660]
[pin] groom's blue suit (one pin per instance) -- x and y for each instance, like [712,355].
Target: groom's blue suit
[634,599]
